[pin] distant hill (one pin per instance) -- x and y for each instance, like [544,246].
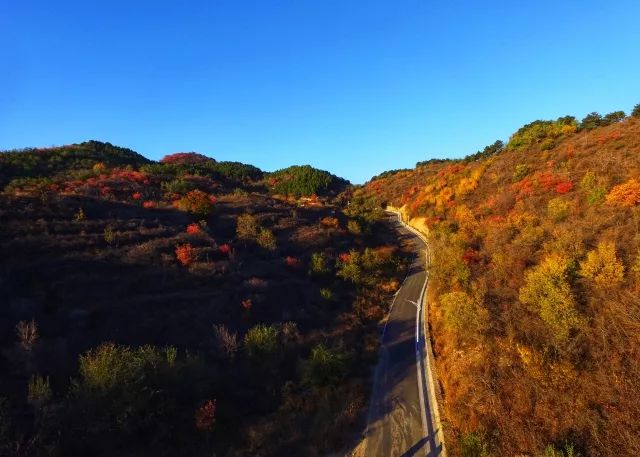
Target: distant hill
[47,162]
[534,287]
[305,181]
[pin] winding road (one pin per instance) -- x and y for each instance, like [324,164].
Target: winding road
[403,419]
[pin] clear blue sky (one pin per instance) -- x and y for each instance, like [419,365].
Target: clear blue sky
[354,87]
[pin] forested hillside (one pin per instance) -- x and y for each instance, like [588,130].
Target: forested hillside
[181,307]
[533,299]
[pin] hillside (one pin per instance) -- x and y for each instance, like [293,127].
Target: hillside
[534,302]
[181,307]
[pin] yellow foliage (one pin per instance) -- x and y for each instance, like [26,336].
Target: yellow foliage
[602,266]
[548,292]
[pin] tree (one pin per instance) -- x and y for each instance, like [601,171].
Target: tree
[463,315]
[591,121]
[558,209]
[196,202]
[615,116]
[548,292]
[636,111]
[602,266]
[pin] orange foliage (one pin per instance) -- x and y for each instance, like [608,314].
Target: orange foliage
[627,194]
[186,254]
[196,202]
[330,222]
[547,179]
[149,204]
[193,229]
[136,196]
[524,188]
[564,187]
[224,248]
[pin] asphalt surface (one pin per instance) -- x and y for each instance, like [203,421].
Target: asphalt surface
[400,421]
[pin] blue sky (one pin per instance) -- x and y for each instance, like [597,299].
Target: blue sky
[354,87]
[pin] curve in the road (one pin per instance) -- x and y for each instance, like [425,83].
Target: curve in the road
[403,415]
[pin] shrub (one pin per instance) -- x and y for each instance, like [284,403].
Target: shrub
[27,333]
[627,194]
[552,451]
[596,195]
[110,235]
[110,366]
[330,222]
[319,264]
[196,202]
[186,254]
[260,341]
[79,216]
[266,239]
[38,391]
[547,292]
[636,111]
[324,367]
[193,229]
[602,266]
[350,268]
[247,227]
[473,445]
[520,172]
[226,340]
[558,209]
[326,294]
[564,187]
[354,227]
[292,262]
[463,315]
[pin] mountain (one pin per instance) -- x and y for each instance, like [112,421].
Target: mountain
[183,307]
[534,303]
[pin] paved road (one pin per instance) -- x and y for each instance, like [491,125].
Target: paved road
[400,420]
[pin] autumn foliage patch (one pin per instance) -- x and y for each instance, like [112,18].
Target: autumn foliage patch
[627,194]
[186,254]
[196,202]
